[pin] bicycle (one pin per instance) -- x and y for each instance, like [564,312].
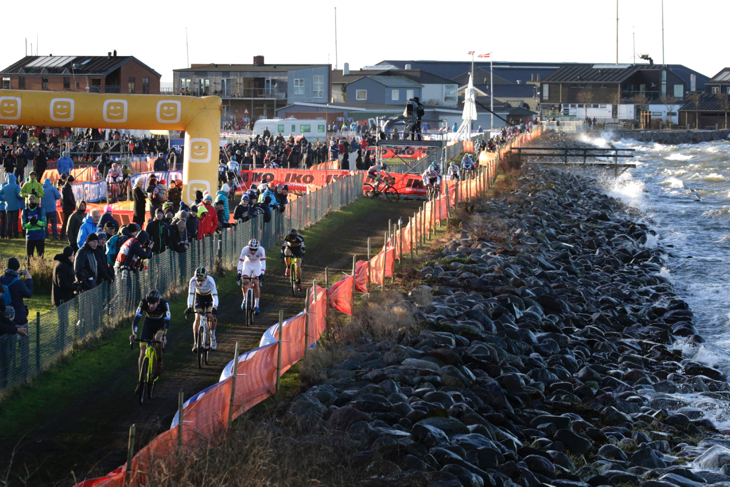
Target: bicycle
[203,339]
[147,376]
[387,191]
[433,192]
[249,314]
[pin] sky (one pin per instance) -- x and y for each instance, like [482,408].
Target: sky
[296,32]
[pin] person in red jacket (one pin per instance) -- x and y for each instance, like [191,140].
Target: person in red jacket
[207,222]
[208,204]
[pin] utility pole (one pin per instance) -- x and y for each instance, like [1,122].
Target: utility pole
[335,37]
[616,31]
[663,62]
[634,34]
[187,49]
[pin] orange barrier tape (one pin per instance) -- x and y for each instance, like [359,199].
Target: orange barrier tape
[340,295]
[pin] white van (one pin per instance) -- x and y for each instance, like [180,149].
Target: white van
[311,129]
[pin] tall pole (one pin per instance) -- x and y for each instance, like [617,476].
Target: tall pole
[491,92]
[187,49]
[335,37]
[616,31]
[635,44]
[663,62]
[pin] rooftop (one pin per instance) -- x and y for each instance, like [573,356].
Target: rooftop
[79,65]
[214,67]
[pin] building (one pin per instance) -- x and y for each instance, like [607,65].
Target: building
[612,92]
[91,74]
[253,91]
[720,83]
[383,90]
[705,110]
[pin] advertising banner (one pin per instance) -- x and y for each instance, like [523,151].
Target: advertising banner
[298,180]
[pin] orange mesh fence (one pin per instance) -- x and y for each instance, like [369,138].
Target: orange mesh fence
[468,146]
[361,276]
[376,264]
[340,295]
[256,379]
[317,313]
[292,345]
[330,165]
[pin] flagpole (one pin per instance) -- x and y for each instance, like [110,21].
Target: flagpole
[491,91]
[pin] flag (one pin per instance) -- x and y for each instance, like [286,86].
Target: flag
[485,55]
[470,52]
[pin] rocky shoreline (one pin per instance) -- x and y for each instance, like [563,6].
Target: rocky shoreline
[543,354]
[668,137]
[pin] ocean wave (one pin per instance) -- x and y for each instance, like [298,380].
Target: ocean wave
[679,157]
[717,212]
[673,183]
[710,178]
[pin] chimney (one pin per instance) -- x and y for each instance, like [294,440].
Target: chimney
[109,54]
[692,82]
[346,69]
[115,53]
[258,60]
[408,66]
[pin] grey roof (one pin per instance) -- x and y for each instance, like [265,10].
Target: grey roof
[721,77]
[481,76]
[338,75]
[594,73]
[506,91]
[247,67]
[707,103]
[509,71]
[394,81]
[418,75]
[79,65]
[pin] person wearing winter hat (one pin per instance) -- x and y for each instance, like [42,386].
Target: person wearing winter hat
[107,217]
[85,265]
[35,226]
[103,270]
[62,291]
[19,284]
[222,195]
[68,203]
[48,203]
[192,223]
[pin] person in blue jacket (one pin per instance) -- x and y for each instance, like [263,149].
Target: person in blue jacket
[50,196]
[88,226]
[222,195]
[3,212]
[65,164]
[13,204]
[35,226]
[20,285]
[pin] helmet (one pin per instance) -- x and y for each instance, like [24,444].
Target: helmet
[143,237]
[432,167]
[384,165]
[293,232]
[201,273]
[153,297]
[253,244]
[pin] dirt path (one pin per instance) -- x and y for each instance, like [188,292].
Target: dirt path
[90,437]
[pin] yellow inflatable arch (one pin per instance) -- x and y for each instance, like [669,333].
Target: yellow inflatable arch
[198,117]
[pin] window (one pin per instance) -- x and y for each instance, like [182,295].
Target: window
[298,86]
[305,128]
[451,94]
[320,129]
[727,90]
[715,90]
[203,86]
[601,106]
[146,86]
[361,94]
[66,83]
[44,83]
[679,91]
[293,128]
[409,94]
[545,92]
[318,86]
[656,114]
[280,128]
[593,106]
[226,86]
[130,85]
[394,95]
[185,84]
[6,83]
[21,82]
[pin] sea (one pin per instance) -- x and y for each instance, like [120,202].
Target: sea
[683,192]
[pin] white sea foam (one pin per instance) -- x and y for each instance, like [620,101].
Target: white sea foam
[652,241]
[678,157]
[714,178]
[673,183]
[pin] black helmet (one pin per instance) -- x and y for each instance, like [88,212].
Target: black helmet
[143,237]
[201,272]
[293,232]
[153,297]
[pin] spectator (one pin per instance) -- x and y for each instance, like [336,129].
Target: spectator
[88,226]
[222,195]
[35,226]
[20,285]
[206,225]
[3,211]
[108,217]
[20,162]
[220,213]
[178,234]
[140,201]
[74,225]
[48,203]
[8,327]
[13,204]
[32,187]
[157,230]
[103,270]
[65,164]
[85,265]
[192,223]
[174,195]
[115,242]
[68,203]
[160,165]
[208,204]
[133,252]
[63,277]
[40,162]
[153,196]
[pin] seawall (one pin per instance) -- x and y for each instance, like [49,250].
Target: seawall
[669,136]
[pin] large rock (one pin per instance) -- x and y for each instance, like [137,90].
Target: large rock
[450,426]
[715,457]
[610,416]
[574,442]
[345,417]
[540,465]
[428,435]
[647,458]
[612,452]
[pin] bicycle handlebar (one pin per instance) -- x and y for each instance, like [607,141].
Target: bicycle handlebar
[132,341]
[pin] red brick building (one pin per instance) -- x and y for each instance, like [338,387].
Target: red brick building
[83,74]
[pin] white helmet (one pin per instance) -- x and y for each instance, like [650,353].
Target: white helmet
[253,244]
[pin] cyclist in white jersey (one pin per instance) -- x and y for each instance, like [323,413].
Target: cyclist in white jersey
[252,264]
[204,295]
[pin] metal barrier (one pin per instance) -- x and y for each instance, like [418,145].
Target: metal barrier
[53,334]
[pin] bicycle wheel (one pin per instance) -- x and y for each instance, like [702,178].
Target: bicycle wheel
[152,377]
[293,274]
[391,194]
[207,348]
[370,191]
[201,345]
[249,307]
[143,379]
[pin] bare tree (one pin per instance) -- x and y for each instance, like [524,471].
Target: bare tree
[641,101]
[724,101]
[695,98]
[669,101]
[585,97]
[615,100]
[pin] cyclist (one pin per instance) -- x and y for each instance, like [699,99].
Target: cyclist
[293,247]
[114,180]
[133,252]
[454,171]
[431,178]
[467,164]
[204,295]
[156,324]
[252,261]
[374,171]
